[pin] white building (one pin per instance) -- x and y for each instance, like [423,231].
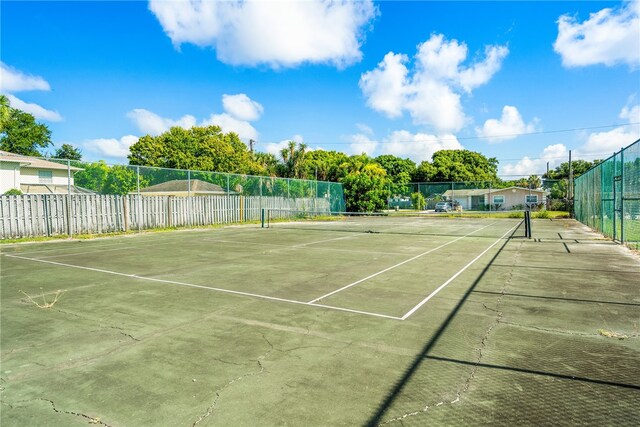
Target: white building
[499,198]
[36,176]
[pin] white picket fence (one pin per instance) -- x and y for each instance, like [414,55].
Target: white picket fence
[33,215]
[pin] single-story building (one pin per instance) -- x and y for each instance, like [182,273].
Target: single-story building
[180,187]
[32,175]
[499,198]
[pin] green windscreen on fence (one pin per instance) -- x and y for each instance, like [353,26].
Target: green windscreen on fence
[607,196]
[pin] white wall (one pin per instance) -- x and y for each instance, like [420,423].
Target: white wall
[512,198]
[9,176]
[30,176]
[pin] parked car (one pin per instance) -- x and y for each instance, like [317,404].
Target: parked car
[444,207]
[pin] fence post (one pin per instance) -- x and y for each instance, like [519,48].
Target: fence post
[69,225]
[621,196]
[189,221]
[139,208]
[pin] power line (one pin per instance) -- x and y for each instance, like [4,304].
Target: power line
[513,135]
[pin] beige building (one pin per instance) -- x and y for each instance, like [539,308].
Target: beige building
[500,198]
[32,175]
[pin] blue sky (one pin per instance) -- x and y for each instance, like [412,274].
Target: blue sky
[405,78]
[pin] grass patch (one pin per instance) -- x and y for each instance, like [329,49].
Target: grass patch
[611,334]
[45,303]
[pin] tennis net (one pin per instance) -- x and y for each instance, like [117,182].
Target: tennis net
[455,224]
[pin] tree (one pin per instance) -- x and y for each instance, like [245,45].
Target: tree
[424,172]
[534,182]
[579,167]
[366,186]
[122,180]
[399,171]
[19,131]
[463,165]
[293,159]
[265,164]
[324,165]
[93,176]
[198,148]
[68,151]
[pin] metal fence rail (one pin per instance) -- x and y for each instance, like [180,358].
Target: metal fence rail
[34,215]
[607,196]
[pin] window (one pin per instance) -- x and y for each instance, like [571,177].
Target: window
[45,177]
[531,198]
[498,199]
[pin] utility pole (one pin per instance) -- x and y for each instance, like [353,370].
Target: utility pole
[251,142]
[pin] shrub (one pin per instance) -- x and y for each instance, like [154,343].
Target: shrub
[542,214]
[418,201]
[518,207]
[13,192]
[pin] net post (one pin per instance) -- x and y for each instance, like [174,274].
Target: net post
[527,224]
[262,217]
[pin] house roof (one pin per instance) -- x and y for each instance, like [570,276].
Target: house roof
[33,162]
[182,185]
[483,191]
[53,189]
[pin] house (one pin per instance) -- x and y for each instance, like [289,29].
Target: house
[499,198]
[180,187]
[32,175]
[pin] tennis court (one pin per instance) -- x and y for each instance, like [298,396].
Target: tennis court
[357,321]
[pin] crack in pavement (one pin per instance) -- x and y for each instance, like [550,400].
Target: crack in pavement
[212,407]
[467,383]
[92,420]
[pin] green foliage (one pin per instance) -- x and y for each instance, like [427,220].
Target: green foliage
[399,171]
[293,157]
[366,186]
[93,176]
[463,165]
[198,148]
[579,167]
[13,192]
[68,151]
[327,164]
[20,133]
[103,179]
[559,190]
[543,214]
[418,201]
[122,180]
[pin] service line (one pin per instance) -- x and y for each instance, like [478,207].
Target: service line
[452,278]
[396,265]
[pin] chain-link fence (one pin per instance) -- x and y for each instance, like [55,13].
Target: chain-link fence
[607,196]
[73,197]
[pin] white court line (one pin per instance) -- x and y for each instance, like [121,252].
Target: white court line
[396,265]
[452,278]
[191,285]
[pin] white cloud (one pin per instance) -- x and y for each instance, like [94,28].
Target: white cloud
[509,126]
[151,123]
[601,145]
[362,144]
[431,93]
[242,107]
[610,36]
[402,143]
[282,34]
[228,123]
[16,81]
[239,111]
[111,147]
[34,109]
[554,154]
[275,147]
